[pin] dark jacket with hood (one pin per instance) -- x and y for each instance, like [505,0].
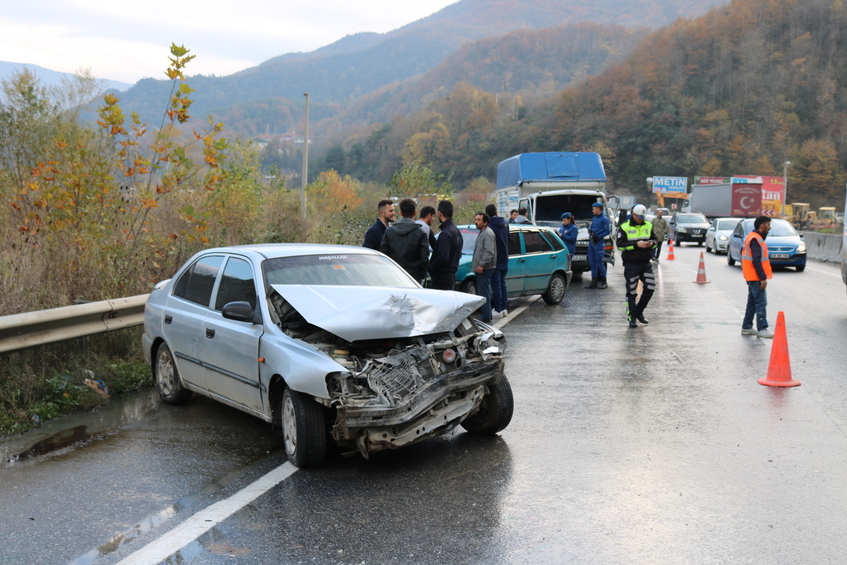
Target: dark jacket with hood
[447,249]
[406,243]
[501,234]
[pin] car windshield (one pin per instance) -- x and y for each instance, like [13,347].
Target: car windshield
[350,270]
[726,225]
[781,228]
[691,219]
[468,240]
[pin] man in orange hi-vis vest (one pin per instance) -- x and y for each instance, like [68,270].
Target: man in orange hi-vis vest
[756,267]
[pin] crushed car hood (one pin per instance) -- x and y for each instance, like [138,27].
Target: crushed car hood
[356,313]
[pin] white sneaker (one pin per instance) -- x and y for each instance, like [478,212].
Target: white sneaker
[749,331]
[765,333]
[504,313]
[495,315]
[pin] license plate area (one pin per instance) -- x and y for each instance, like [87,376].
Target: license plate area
[779,255]
[580,257]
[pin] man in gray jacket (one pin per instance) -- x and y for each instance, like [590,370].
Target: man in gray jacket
[406,242]
[484,262]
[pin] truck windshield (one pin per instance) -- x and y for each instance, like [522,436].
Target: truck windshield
[549,208]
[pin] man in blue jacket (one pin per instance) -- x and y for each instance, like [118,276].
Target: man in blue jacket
[499,292]
[447,249]
[599,230]
[568,232]
[373,237]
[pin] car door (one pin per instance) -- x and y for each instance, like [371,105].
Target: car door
[184,315]
[736,242]
[517,264]
[230,348]
[540,262]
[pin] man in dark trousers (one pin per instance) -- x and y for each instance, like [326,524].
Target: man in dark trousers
[446,249]
[598,231]
[756,267]
[406,243]
[499,292]
[373,237]
[636,241]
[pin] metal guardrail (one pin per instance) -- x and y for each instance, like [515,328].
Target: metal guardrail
[21,331]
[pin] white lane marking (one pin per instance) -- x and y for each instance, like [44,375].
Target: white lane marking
[829,272]
[514,313]
[185,533]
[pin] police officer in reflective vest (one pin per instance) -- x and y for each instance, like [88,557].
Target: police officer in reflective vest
[636,242]
[756,267]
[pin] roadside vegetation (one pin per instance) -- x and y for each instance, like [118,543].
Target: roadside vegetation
[100,209]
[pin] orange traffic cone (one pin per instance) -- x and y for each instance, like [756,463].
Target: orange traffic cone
[670,251]
[701,271]
[779,370]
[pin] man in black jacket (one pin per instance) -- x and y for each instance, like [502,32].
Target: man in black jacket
[373,237]
[499,292]
[406,243]
[446,250]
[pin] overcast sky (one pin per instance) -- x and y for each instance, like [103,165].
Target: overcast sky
[127,40]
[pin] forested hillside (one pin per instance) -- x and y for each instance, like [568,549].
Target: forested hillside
[740,90]
[357,65]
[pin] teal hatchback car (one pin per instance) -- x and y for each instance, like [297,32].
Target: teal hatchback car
[538,263]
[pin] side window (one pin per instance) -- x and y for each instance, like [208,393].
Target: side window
[554,241]
[739,229]
[236,284]
[197,282]
[535,243]
[514,243]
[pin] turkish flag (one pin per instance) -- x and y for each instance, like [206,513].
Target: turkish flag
[746,200]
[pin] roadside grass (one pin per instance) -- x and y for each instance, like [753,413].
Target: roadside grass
[49,381]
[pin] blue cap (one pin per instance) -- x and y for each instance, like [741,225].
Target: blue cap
[567,215]
[597,204]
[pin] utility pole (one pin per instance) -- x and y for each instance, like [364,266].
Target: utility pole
[785,166]
[305,171]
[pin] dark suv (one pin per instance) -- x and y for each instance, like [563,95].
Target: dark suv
[688,227]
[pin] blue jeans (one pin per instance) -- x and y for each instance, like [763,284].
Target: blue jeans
[596,252]
[483,288]
[499,292]
[757,302]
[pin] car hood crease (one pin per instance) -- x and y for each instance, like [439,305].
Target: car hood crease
[360,313]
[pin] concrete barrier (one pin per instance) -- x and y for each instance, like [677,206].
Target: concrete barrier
[823,246]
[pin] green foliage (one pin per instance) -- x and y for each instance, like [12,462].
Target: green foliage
[416,180]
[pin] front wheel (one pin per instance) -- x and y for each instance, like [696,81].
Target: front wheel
[678,242]
[555,290]
[167,378]
[729,260]
[303,429]
[801,268]
[495,411]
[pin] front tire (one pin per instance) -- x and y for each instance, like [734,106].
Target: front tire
[555,290]
[729,260]
[303,429]
[469,286]
[168,382]
[495,412]
[801,268]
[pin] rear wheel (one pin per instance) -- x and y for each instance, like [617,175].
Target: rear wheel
[469,286]
[167,378]
[303,429]
[495,412]
[555,290]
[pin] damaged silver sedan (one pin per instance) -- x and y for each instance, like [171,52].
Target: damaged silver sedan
[326,343]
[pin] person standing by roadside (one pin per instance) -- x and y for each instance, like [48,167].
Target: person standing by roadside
[521,217]
[373,237]
[513,216]
[425,221]
[568,232]
[756,267]
[660,228]
[447,249]
[484,263]
[599,230]
[499,292]
[636,241]
[406,243]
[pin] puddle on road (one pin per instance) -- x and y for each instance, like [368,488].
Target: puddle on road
[78,429]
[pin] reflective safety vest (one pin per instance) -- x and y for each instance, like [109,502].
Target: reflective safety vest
[629,245]
[747,267]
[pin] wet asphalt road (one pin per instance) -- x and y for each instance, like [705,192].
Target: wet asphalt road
[655,445]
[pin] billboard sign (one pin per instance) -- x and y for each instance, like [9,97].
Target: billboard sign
[670,185]
[711,180]
[746,199]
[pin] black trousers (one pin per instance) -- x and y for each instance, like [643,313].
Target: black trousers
[443,281]
[632,273]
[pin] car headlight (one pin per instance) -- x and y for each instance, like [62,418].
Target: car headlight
[801,248]
[682,230]
[723,238]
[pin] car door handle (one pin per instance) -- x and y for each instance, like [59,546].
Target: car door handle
[521,260]
[553,256]
[169,319]
[210,333]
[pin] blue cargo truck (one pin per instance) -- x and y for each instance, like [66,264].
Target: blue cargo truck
[550,184]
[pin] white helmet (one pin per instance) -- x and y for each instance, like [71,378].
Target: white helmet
[639,210]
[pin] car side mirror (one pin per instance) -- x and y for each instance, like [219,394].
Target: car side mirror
[241,311]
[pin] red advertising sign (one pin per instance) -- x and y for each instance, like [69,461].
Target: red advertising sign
[773,189]
[746,200]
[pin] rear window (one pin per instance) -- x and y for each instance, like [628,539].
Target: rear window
[349,270]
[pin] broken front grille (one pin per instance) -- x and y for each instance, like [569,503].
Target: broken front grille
[394,377]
